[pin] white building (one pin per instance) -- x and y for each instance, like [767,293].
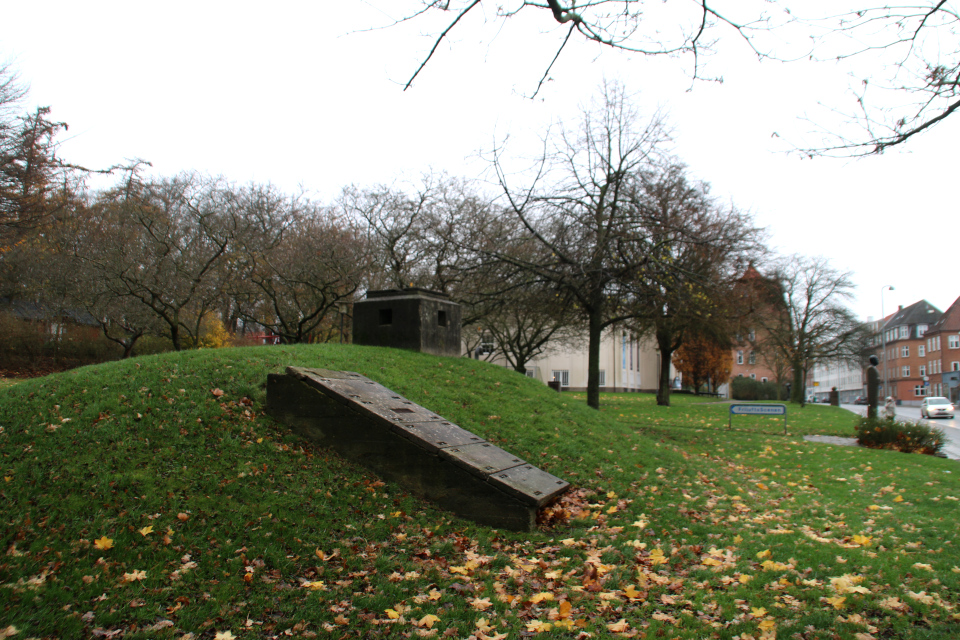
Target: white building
[627,363]
[846,377]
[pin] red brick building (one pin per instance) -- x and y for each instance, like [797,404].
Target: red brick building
[942,349]
[905,363]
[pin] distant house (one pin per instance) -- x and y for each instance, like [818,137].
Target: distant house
[53,323]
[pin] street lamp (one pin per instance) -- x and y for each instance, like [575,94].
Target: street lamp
[883,336]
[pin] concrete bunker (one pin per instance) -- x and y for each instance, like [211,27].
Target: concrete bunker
[415,319]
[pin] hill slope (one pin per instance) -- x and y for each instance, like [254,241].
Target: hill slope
[153,498]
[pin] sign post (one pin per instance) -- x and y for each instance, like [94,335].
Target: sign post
[759,410]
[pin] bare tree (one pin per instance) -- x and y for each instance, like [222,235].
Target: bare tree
[297,265]
[910,76]
[633,26]
[810,324]
[701,248]
[577,207]
[165,243]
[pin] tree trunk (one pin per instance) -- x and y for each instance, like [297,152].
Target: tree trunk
[666,345]
[663,385]
[798,392]
[595,332]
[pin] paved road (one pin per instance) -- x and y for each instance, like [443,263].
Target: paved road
[950,426]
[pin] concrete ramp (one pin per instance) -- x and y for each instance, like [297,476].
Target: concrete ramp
[412,446]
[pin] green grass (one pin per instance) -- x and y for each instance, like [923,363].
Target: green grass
[223,522]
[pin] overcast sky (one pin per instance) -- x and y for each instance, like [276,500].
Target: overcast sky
[298,94]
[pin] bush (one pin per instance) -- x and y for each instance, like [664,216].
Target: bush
[749,389]
[898,435]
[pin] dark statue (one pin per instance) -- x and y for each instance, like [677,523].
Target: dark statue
[873,387]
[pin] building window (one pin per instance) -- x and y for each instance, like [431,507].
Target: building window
[906,371]
[752,359]
[953,342]
[955,366]
[442,318]
[603,377]
[763,379]
[921,350]
[487,345]
[563,375]
[386,317]
[904,332]
[919,390]
[922,370]
[752,336]
[921,329]
[905,351]
[531,373]
[739,356]
[753,376]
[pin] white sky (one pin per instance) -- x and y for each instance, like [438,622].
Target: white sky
[293,94]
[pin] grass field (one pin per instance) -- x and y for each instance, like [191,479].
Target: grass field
[153,498]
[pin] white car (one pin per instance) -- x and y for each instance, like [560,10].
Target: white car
[936,408]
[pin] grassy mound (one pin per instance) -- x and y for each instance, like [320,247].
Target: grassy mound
[153,498]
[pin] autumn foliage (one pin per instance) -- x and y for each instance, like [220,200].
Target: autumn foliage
[703,362]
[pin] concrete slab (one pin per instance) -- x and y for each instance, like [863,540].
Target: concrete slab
[409,444]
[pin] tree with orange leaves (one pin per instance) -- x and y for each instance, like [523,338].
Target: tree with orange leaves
[703,360]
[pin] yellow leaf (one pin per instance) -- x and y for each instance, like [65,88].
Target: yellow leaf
[863,541]
[758,612]
[224,635]
[392,614]
[540,597]
[744,578]
[898,499]
[535,626]
[657,557]
[316,585]
[103,543]
[632,593]
[428,621]
[147,530]
[481,604]
[134,576]
[836,601]
[763,554]
[768,625]
[619,626]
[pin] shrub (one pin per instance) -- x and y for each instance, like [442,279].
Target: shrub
[899,435]
[743,388]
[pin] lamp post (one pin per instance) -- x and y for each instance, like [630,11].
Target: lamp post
[883,336]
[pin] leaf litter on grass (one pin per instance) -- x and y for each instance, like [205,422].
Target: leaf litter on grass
[202,516]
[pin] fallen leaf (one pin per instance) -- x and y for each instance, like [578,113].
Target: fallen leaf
[103,543]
